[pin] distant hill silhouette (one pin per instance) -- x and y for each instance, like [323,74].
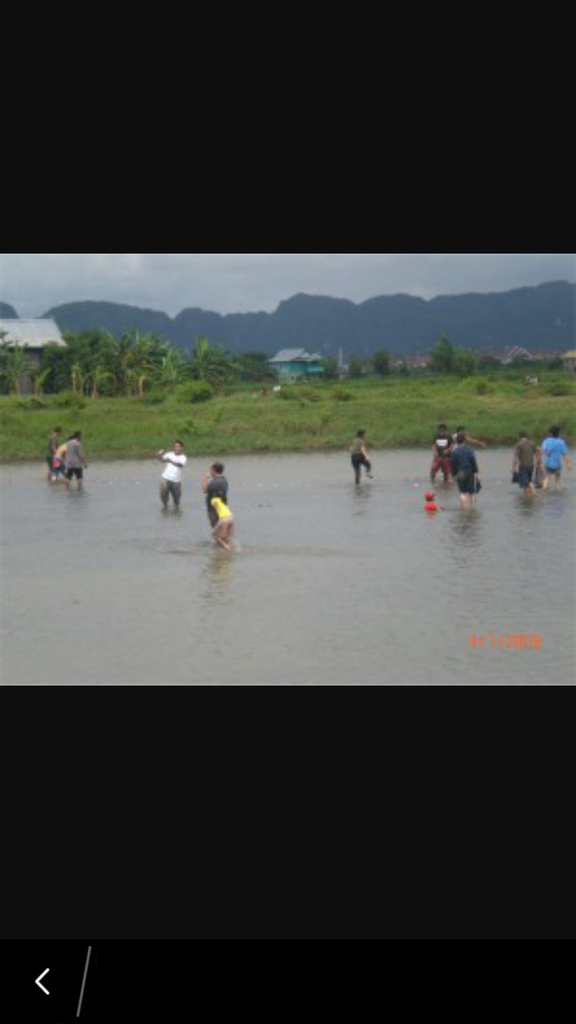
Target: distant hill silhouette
[7,312]
[541,318]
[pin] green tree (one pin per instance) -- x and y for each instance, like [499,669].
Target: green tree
[16,366]
[97,378]
[253,366]
[77,379]
[443,357]
[40,378]
[402,369]
[171,369]
[489,364]
[382,363]
[212,364]
[57,363]
[331,371]
[464,362]
[356,367]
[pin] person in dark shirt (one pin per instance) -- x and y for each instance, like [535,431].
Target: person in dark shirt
[360,457]
[465,471]
[215,486]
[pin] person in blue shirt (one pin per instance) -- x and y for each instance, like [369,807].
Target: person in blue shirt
[555,454]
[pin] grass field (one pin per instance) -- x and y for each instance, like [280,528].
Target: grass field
[396,412]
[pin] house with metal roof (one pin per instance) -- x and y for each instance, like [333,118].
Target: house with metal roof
[510,354]
[32,335]
[296,364]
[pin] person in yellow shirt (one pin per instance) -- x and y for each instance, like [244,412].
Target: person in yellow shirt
[224,531]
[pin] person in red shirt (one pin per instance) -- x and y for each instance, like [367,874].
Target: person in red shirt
[431,503]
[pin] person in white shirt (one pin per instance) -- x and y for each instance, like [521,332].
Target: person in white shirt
[172,476]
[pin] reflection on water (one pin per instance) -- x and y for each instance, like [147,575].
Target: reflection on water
[468,535]
[216,575]
[362,497]
[333,584]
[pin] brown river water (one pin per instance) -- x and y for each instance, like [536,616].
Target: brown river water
[331,585]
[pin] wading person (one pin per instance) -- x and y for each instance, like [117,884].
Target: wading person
[75,461]
[224,530]
[556,452]
[431,505]
[539,471]
[215,486]
[442,448]
[469,440]
[525,464]
[465,472]
[171,486]
[54,442]
[360,457]
[59,464]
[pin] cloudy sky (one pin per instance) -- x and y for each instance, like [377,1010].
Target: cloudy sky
[246,281]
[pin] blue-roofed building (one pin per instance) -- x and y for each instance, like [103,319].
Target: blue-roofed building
[296,364]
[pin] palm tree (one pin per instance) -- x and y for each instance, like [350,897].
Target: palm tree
[143,380]
[98,376]
[16,366]
[171,368]
[212,364]
[201,358]
[119,354]
[77,379]
[39,382]
[136,380]
[136,360]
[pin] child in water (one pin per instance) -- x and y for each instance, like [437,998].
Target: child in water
[225,529]
[431,503]
[59,464]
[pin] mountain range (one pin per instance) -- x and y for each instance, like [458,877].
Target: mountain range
[540,318]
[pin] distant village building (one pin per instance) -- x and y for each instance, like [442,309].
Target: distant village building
[34,336]
[569,360]
[545,354]
[296,364]
[418,362]
[510,354]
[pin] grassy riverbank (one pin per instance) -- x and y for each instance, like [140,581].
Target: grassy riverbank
[395,412]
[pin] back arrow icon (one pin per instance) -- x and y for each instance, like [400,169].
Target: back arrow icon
[38,980]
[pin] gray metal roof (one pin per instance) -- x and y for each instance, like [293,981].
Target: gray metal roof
[35,333]
[295,355]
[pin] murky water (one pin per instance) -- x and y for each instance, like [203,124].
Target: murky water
[332,585]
